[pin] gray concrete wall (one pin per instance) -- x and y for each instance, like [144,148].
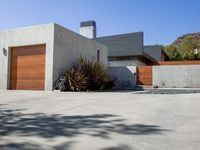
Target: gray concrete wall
[41,34]
[126,76]
[126,63]
[180,76]
[68,46]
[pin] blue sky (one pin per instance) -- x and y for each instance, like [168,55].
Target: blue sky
[161,21]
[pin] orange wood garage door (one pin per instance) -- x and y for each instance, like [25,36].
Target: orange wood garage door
[27,68]
[144,75]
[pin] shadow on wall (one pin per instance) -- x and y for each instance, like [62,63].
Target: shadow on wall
[126,77]
[14,122]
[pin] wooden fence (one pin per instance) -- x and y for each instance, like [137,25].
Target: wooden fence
[144,75]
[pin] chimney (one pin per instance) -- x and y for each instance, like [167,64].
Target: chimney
[88,29]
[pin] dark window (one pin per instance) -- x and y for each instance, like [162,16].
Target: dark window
[98,55]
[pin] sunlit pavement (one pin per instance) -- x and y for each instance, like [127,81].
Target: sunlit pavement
[98,121]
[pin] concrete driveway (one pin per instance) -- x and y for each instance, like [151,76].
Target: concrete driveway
[98,121]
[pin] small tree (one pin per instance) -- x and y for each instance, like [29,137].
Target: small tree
[173,52]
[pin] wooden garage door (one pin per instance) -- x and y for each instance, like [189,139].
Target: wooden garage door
[27,68]
[144,75]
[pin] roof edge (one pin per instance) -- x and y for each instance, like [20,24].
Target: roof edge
[123,34]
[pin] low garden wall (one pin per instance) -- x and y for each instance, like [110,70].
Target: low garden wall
[180,76]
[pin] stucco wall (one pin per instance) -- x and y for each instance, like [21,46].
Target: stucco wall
[177,76]
[34,35]
[126,63]
[126,76]
[68,46]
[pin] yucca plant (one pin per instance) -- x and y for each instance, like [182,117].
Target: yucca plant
[96,73]
[109,82]
[75,81]
[88,75]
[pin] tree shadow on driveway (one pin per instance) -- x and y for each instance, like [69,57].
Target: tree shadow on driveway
[15,122]
[31,146]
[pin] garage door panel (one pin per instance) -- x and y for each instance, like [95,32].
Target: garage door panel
[29,60]
[27,68]
[28,50]
[27,84]
[28,75]
[25,62]
[23,53]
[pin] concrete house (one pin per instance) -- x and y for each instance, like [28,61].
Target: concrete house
[136,64]
[32,58]
[125,49]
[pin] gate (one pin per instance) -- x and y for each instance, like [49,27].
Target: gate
[144,75]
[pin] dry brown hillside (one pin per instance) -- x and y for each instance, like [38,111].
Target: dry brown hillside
[195,36]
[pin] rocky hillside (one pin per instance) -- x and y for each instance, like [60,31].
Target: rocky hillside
[186,47]
[195,36]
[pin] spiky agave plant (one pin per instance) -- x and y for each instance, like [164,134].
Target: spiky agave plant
[96,73]
[110,81]
[75,80]
[88,75]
